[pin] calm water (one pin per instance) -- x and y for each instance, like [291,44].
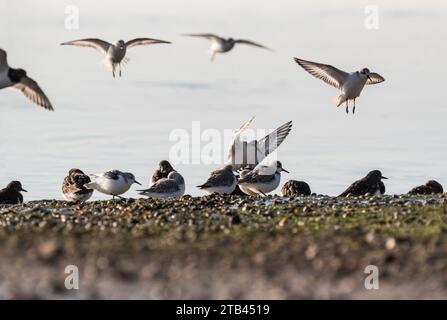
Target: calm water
[103,123]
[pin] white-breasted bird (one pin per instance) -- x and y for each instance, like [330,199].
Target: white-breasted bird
[115,52]
[171,187]
[113,182]
[262,179]
[17,78]
[222,45]
[350,84]
[221,181]
[242,153]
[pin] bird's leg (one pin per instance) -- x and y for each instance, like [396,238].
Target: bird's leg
[347,107]
[120,69]
[353,110]
[212,55]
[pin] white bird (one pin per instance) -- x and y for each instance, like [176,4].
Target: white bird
[262,180]
[350,84]
[115,52]
[242,153]
[113,182]
[220,181]
[222,45]
[171,187]
[17,78]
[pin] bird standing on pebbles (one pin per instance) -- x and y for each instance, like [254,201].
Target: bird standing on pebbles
[17,78]
[115,52]
[73,186]
[371,184]
[164,169]
[113,182]
[171,187]
[222,45]
[430,187]
[293,188]
[221,181]
[350,84]
[262,180]
[11,194]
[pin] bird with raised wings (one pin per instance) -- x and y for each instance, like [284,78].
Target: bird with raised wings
[350,84]
[17,78]
[222,45]
[115,53]
[243,154]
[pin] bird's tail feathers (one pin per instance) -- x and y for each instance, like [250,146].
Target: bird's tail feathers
[340,99]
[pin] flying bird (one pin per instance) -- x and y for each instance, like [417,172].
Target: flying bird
[17,78]
[243,154]
[115,53]
[222,45]
[350,84]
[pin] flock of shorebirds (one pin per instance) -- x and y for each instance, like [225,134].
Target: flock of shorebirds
[243,172]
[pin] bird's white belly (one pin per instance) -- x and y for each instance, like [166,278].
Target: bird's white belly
[247,190]
[222,189]
[264,187]
[219,46]
[112,187]
[353,87]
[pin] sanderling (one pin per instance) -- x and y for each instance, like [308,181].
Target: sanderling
[164,168]
[242,153]
[367,185]
[73,186]
[11,194]
[294,188]
[115,52]
[429,187]
[262,179]
[171,187]
[350,84]
[17,78]
[113,182]
[220,181]
[221,45]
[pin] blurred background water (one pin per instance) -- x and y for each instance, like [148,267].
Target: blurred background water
[101,123]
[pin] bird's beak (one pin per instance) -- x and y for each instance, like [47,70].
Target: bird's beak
[285,170]
[369,77]
[137,182]
[23,190]
[384,177]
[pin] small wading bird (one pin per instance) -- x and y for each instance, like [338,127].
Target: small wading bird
[115,52]
[430,187]
[11,194]
[164,169]
[243,154]
[262,179]
[113,182]
[171,187]
[350,84]
[17,78]
[222,45]
[221,181]
[371,184]
[73,186]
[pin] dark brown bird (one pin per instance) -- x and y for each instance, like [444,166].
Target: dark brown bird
[293,188]
[429,187]
[73,187]
[164,168]
[371,184]
[11,194]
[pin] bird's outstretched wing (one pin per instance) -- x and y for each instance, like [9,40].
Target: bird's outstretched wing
[270,142]
[252,43]
[98,44]
[325,72]
[32,91]
[143,41]
[375,78]
[236,143]
[3,60]
[209,36]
